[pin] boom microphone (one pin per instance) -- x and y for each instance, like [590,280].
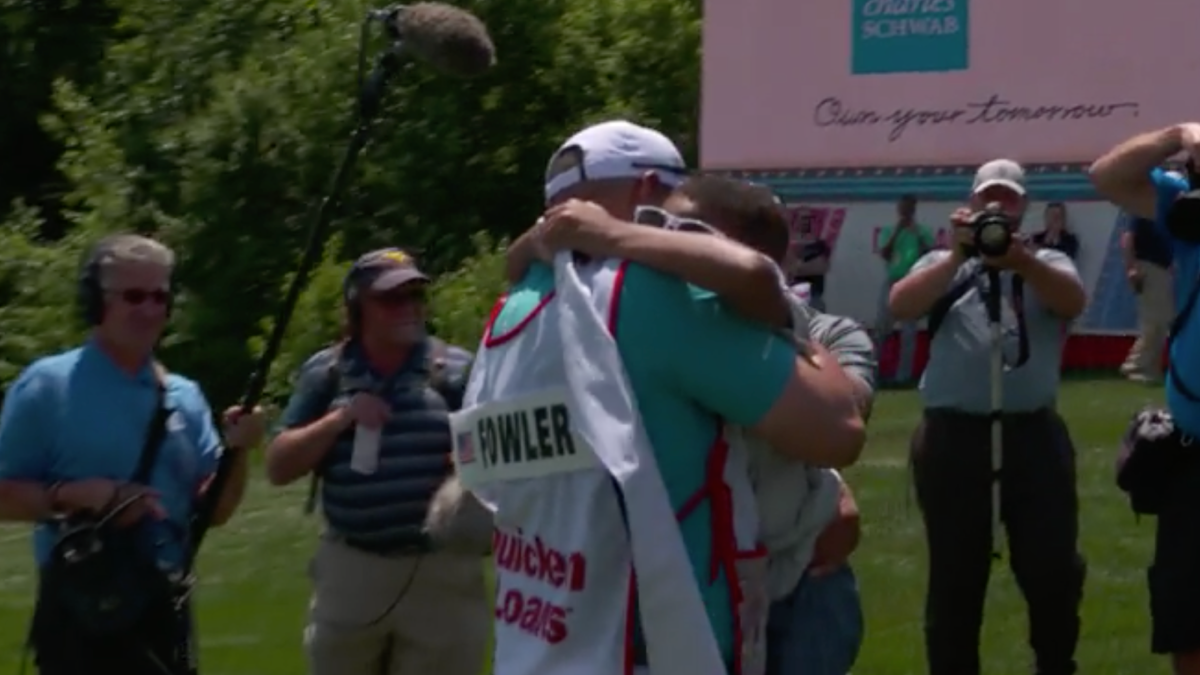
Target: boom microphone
[448,38]
[452,40]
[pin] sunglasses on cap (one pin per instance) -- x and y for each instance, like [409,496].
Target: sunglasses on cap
[138,296]
[656,217]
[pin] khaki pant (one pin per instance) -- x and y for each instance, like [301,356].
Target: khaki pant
[414,615]
[1156,309]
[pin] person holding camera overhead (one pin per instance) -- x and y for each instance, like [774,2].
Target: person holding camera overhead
[108,455]
[1130,177]
[953,463]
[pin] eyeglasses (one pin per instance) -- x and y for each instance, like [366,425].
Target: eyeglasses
[656,217]
[396,299]
[137,296]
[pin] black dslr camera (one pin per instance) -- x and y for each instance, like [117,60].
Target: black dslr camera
[1183,219]
[992,232]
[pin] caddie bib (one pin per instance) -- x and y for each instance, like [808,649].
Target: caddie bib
[550,439]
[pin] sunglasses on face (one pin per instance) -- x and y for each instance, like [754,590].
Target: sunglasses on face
[656,217]
[396,299]
[138,296]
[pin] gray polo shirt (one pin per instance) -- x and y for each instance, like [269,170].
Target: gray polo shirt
[959,371]
[848,341]
[795,500]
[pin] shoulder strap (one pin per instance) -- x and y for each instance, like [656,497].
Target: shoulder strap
[942,307]
[333,374]
[157,430]
[333,382]
[436,362]
[1018,298]
[1188,306]
[937,314]
[1176,326]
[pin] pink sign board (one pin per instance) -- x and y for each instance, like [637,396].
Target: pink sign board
[844,83]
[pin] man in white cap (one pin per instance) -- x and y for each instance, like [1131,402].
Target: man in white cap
[952,469]
[648,369]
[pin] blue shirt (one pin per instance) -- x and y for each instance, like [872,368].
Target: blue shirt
[690,363]
[75,415]
[1185,348]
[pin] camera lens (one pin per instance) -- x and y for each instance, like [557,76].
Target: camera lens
[993,233]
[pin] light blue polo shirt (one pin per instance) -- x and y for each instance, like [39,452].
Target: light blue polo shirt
[1185,350]
[75,415]
[690,361]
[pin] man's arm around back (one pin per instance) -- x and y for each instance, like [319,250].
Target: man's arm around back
[748,374]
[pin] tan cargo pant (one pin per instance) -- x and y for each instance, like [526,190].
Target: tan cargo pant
[1156,309]
[413,615]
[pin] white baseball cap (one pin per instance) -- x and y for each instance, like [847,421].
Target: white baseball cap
[1003,172]
[614,149]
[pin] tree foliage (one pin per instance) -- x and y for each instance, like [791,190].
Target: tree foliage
[216,125]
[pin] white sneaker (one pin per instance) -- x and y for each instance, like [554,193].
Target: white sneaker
[1142,378]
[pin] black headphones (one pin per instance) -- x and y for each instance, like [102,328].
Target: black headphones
[90,293]
[351,300]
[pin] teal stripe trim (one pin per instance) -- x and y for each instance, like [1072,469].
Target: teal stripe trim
[1045,182]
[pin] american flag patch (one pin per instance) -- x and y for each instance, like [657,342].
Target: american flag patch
[464,446]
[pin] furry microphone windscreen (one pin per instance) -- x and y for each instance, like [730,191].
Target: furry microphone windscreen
[457,521]
[451,39]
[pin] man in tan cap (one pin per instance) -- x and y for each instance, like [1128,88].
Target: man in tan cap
[368,417]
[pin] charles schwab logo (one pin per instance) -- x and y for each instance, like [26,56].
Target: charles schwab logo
[909,36]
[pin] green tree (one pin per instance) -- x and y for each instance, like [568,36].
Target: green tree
[217,124]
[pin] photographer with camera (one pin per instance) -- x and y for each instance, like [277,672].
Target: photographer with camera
[108,455]
[1168,469]
[990,446]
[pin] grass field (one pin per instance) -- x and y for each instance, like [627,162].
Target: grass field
[254,591]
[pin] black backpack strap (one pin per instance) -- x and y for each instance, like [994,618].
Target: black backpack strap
[156,432]
[332,385]
[436,363]
[1177,325]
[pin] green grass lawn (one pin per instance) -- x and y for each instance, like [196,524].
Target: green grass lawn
[254,592]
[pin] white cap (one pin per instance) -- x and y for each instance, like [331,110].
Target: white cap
[616,149]
[1000,172]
